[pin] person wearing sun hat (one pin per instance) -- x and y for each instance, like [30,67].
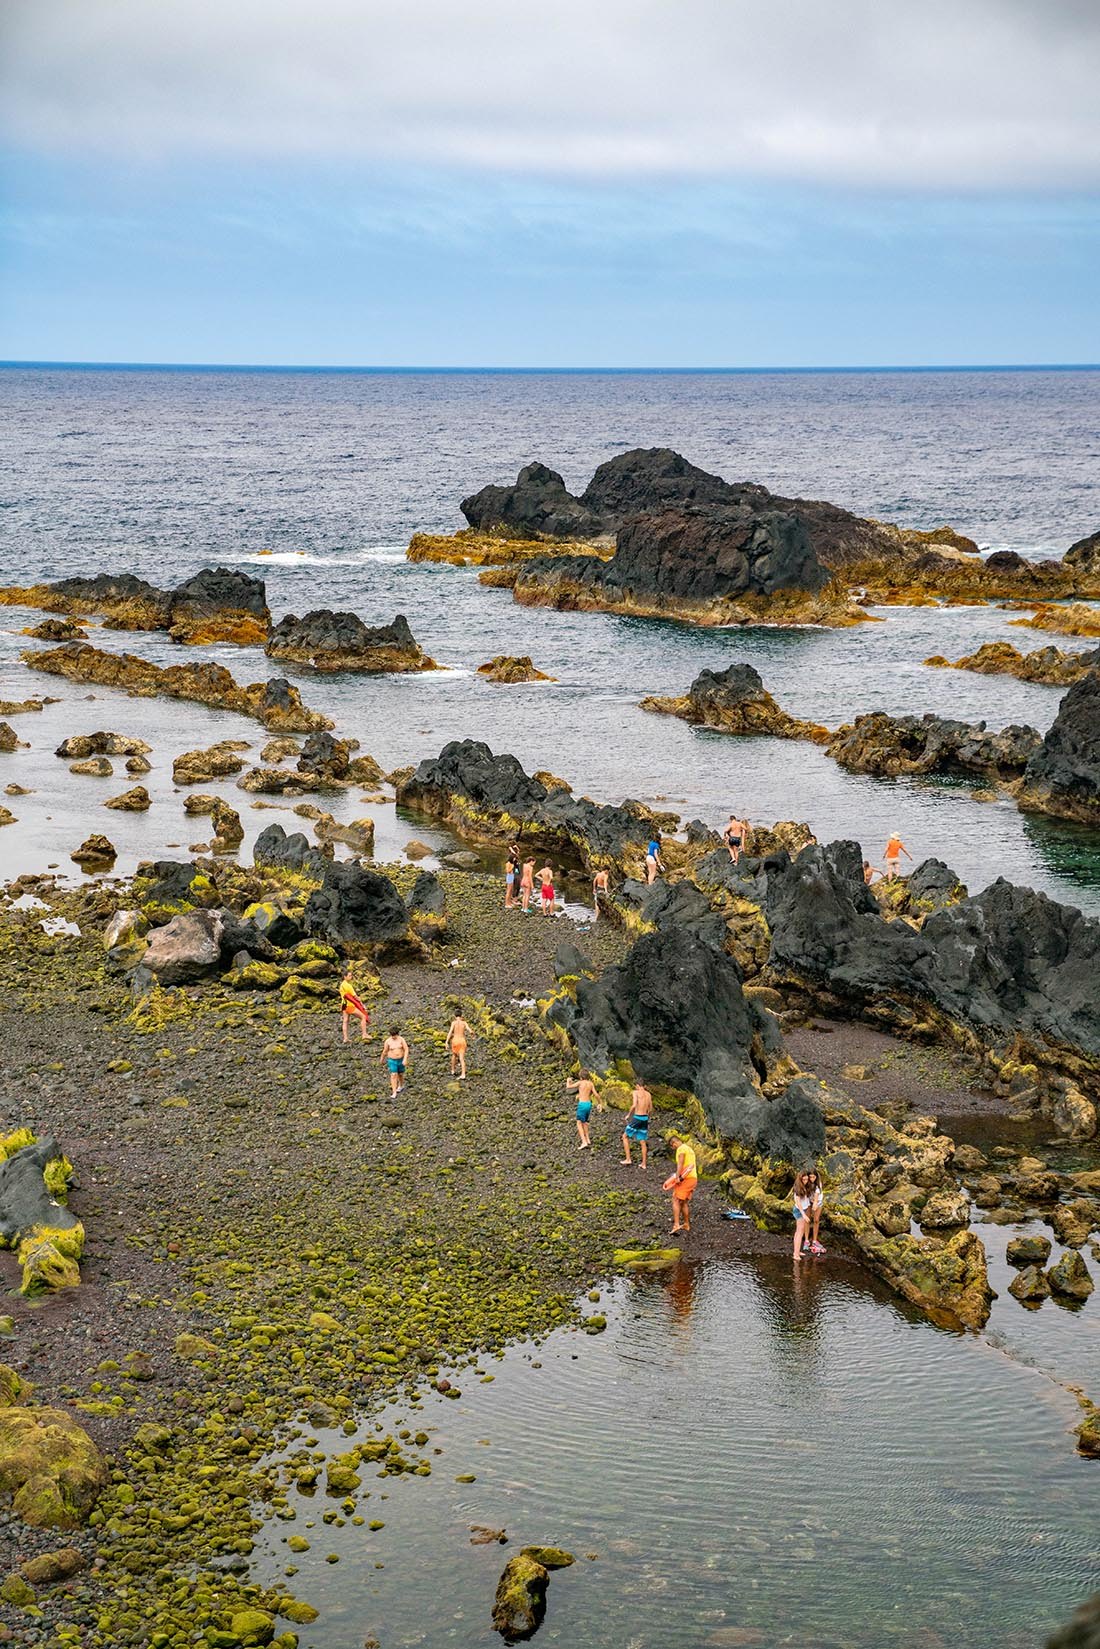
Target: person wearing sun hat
[895,847]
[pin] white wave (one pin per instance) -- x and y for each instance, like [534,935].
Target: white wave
[386,554]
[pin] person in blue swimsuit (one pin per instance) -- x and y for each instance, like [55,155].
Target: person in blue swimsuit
[395,1054]
[585,1090]
[637,1124]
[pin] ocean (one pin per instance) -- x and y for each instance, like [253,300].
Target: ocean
[317,479]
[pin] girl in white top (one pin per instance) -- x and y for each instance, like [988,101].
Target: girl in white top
[808,1198]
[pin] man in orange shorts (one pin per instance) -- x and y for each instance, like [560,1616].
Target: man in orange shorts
[682,1183]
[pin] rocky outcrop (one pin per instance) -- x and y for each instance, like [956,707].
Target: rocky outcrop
[34,1220]
[891,745]
[539,505]
[1047,665]
[716,564]
[1073,620]
[496,548]
[221,761]
[217,604]
[491,796]
[328,641]
[427,906]
[675,1012]
[519,1605]
[274,703]
[276,850]
[1063,775]
[735,701]
[9,738]
[1007,972]
[187,949]
[1083,1631]
[1084,560]
[56,629]
[507,669]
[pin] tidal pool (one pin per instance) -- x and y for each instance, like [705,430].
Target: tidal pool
[744,1457]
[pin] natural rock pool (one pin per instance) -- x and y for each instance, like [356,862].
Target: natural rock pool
[752,1458]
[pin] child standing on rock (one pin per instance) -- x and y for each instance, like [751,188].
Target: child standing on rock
[808,1199]
[395,1055]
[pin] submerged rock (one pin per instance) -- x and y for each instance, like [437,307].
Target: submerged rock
[95,852]
[735,700]
[328,641]
[134,800]
[220,761]
[1063,775]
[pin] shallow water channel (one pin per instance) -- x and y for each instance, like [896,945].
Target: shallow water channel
[744,1457]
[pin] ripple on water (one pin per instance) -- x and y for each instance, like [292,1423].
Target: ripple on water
[745,1453]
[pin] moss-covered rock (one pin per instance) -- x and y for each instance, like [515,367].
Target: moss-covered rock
[520,1602]
[1030,1286]
[1032,1250]
[551,1557]
[252,1626]
[1070,1277]
[50,1466]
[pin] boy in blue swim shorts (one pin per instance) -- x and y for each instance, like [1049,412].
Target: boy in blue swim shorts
[395,1053]
[585,1090]
[637,1123]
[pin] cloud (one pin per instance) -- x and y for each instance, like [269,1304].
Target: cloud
[927,94]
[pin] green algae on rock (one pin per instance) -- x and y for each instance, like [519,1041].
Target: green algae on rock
[50,1466]
[520,1601]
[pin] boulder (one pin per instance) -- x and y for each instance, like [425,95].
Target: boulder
[92,767]
[134,800]
[947,1279]
[520,1602]
[570,962]
[228,830]
[79,745]
[325,759]
[220,761]
[1083,558]
[944,1210]
[509,670]
[735,701]
[675,1010]
[28,1207]
[1070,1277]
[1034,1250]
[50,1466]
[1030,1286]
[357,909]
[358,834]
[275,849]
[1073,1222]
[56,629]
[1063,775]
[892,745]
[427,906]
[328,641]
[95,852]
[186,949]
[277,750]
[138,764]
[219,604]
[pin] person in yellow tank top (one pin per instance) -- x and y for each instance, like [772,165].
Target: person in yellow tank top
[351,1006]
[682,1183]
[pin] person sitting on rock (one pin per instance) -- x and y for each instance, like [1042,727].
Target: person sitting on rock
[351,1005]
[600,889]
[808,1198]
[735,835]
[457,1038]
[653,860]
[395,1055]
[895,847]
[585,1089]
[546,890]
[637,1123]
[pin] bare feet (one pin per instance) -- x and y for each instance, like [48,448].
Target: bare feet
[625,1160]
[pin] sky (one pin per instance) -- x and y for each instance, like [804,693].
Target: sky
[698,183]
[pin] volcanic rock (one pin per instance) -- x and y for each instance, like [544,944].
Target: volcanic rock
[427,906]
[79,745]
[220,761]
[92,767]
[186,949]
[1033,1250]
[56,629]
[328,641]
[274,848]
[1047,665]
[1084,558]
[95,853]
[711,564]
[358,909]
[1083,1631]
[890,745]
[1063,775]
[735,700]
[324,758]
[675,1009]
[274,703]
[507,669]
[219,604]
[1030,1285]
[134,800]
[9,739]
[1070,1277]
[537,506]
[1073,620]
[520,1602]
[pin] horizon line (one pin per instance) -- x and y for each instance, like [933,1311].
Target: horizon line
[715,371]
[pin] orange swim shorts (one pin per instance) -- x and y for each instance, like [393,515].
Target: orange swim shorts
[685,1188]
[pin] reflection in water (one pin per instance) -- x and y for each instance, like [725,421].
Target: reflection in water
[751,1458]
